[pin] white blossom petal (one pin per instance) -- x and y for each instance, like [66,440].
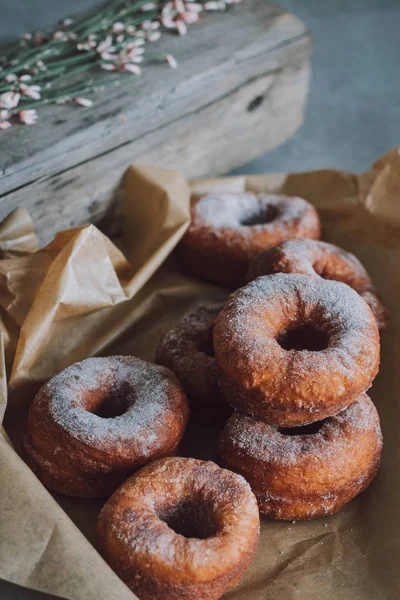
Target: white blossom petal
[131,68]
[171,60]
[181,27]
[108,67]
[153,37]
[9,100]
[194,7]
[190,18]
[83,102]
[28,117]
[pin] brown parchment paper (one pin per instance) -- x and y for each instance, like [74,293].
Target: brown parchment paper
[84,295]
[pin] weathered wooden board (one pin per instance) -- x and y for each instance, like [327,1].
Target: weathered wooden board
[240,90]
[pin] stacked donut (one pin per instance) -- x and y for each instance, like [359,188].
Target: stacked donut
[293,352]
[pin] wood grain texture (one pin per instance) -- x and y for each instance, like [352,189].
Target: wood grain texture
[240,90]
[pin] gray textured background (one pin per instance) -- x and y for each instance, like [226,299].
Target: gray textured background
[353,112]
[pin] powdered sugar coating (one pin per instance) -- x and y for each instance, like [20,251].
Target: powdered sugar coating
[305,475]
[316,258]
[187,350]
[138,388]
[228,230]
[293,387]
[99,420]
[138,538]
[225,210]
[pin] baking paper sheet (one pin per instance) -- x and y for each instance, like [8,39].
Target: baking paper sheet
[84,295]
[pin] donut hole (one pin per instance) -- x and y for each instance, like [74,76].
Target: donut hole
[109,405]
[262,217]
[309,429]
[303,337]
[191,519]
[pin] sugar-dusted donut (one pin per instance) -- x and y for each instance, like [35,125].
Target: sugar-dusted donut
[316,258]
[293,349]
[101,419]
[228,230]
[305,472]
[187,350]
[180,529]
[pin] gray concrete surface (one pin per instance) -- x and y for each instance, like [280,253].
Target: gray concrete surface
[353,114]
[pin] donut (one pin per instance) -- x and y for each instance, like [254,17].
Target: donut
[99,420]
[305,472]
[228,230]
[293,349]
[187,350]
[180,529]
[315,258]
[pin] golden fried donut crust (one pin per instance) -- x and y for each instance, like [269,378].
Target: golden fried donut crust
[229,229]
[217,522]
[98,421]
[316,258]
[187,350]
[293,349]
[305,476]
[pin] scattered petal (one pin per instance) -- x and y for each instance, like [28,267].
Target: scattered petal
[83,102]
[171,60]
[11,77]
[67,21]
